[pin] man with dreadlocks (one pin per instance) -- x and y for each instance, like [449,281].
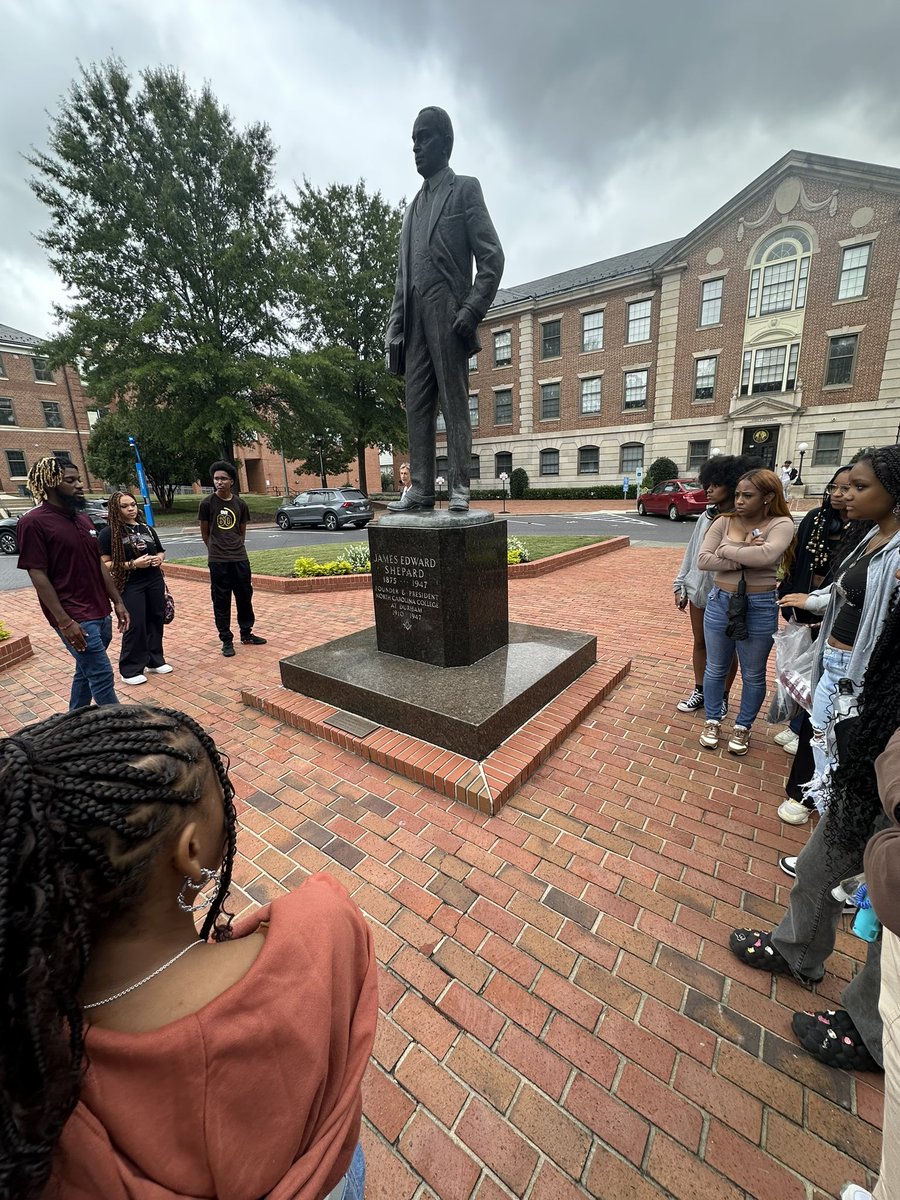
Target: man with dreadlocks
[141,1060]
[58,548]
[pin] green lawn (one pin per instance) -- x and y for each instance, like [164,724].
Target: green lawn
[281,562]
[184,510]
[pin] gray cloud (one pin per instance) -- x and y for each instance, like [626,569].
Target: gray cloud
[596,126]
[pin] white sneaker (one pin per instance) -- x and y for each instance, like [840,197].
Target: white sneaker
[709,738]
[853,1191]
[792,812]
[165,669]
[787,734]
[791,745]
[133,680]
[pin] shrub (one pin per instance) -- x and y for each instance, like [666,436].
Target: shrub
[516,551]
[4,632]
[660,469]
[306,568]
[518,483]
[357,555]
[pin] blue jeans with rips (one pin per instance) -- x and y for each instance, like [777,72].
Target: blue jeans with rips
[753,653]
[94,679]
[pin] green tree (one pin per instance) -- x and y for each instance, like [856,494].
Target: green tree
[344,258]
[660,469]
[169,455]
[165,230]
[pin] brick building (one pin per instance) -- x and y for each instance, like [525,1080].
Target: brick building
[48,412]
[41,411]
[775,323]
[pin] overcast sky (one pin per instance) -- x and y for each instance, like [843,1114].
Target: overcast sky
[595,126]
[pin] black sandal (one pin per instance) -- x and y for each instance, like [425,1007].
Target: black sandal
[831,1037]
[754,947]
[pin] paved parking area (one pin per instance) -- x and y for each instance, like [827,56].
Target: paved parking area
[561,1016]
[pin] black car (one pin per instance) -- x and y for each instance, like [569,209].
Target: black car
[95,509]
[332,507]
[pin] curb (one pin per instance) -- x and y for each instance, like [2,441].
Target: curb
[15,649]
[353,583]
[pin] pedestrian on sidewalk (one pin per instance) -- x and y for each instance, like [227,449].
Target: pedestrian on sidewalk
[223,526]
[744,552]
[718,476]
[59,549]
[134,556]
[139,1057]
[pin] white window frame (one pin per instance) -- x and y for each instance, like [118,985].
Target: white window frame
[638,323]
[645,371]
[600,329]
[583,395]
[851,272]
[711,300]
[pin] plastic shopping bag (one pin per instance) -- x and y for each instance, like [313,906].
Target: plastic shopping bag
[794,656]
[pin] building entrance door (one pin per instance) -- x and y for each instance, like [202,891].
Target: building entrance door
[761,441]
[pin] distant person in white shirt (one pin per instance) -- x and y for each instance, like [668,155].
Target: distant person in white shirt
[788,475]
[405,480]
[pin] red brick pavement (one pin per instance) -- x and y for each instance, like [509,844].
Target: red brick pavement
[560,1013]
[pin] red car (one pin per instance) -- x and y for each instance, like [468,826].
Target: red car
[674,498]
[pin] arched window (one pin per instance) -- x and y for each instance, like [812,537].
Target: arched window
[779,273]
[589,460]
[475,467]
[549,462]
[502,464]
[631,456]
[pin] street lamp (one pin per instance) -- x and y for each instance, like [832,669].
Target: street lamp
[715,450]
[504,479]
[803,447]
[440,481]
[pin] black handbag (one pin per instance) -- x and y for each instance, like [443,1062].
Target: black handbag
[736,628]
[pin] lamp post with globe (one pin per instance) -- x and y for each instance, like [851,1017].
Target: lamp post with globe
[802,449]
[439,483]
[504,479]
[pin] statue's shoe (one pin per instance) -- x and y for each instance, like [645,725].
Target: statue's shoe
[410,504]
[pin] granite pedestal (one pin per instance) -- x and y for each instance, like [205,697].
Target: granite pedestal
[440,586]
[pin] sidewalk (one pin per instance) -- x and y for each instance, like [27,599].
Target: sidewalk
[561,1015]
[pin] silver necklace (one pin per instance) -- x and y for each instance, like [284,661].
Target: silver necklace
[146,979]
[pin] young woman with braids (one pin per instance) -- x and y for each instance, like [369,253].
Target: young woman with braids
[140,1060]
[134,555]
[858,604]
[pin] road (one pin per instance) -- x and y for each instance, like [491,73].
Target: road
[656,530]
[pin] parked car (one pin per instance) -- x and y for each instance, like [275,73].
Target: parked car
[332,507]
[674,498]
[95,509]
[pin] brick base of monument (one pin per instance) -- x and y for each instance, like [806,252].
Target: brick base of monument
[484,785]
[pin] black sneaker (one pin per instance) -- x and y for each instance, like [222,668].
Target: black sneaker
[228,649]
[691,703]
[788,864]
[250,639]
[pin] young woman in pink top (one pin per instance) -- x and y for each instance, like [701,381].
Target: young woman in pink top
[141,1061]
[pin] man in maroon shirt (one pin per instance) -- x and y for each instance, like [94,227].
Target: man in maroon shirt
[59,550]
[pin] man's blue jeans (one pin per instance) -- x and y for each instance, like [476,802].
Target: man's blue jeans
[94,679]
[753,653]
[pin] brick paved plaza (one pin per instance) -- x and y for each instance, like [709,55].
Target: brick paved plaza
[561,1014]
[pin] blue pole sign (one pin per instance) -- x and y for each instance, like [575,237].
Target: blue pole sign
[625,485]
[142,480]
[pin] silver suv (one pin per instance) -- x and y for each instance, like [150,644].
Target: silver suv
[332,507]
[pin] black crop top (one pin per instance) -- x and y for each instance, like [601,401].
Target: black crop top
[851,584]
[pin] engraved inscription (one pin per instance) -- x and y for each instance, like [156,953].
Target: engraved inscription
[407,584]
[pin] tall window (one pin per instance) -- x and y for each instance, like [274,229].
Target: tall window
[705,378]
[631,456]
[42,372]
[841,358]
[549,462]
[52,416]
[440,425]
[549,401]
[828,450]
[15,460]
[473,409]
[592,331]
[769,369]
[635,389]
[638,322]
[711,301]
[502,464]
[550,339]
[475,467]
[780,273]
[62,456]
[502,349]
[591,395]
[503,408]
[7,412]
[589,460]
[2,368]
[698,453]
[442,466]
[854,272]
[472,363]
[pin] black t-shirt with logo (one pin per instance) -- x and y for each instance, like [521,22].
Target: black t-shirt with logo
[225,518]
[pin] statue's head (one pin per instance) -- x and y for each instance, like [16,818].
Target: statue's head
[432,137]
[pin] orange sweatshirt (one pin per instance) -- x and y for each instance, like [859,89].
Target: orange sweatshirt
[255,1094]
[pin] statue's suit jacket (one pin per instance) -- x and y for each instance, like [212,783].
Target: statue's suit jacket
[459,230]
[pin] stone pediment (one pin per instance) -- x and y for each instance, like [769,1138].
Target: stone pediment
[761,408]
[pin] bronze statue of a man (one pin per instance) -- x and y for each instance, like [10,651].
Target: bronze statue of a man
[437,307]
